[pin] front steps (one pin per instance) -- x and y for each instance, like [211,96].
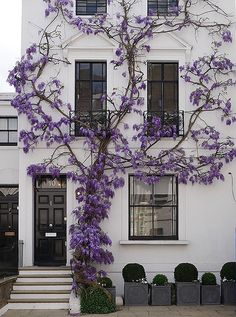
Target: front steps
[41,288]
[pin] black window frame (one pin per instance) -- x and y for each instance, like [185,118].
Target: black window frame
[89,4]
[91,81]
[155,4]
[162,82]
[153,206]
[91,117]
[8,130]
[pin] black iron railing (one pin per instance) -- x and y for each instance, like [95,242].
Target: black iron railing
[173,122]
[88,119]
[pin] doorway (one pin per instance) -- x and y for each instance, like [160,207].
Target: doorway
[50,221]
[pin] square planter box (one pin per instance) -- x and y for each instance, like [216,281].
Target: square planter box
[136,294]
[112,291]
[210,294]
[161,295]
[228,290]
[188,293]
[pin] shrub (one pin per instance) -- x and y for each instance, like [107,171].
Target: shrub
[208,279]
[96,300]
[160,280]
[105,282]
[185,272]
[133,272]
[228,271]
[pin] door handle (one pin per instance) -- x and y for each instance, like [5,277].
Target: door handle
[50,225]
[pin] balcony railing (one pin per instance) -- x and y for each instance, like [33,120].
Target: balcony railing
[172,122]
[88,119]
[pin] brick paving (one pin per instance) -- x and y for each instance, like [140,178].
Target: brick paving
[147,311]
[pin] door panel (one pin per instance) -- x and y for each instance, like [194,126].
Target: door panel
[8,230]
[50,227]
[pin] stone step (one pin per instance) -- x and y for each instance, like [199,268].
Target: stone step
[42,286]
[44,278]
[44,270]
[40,294]
[38,303]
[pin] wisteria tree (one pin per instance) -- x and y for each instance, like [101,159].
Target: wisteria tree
[39,99]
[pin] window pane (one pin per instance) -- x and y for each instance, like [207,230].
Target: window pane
[142,217]
[170,97]
[84,72]
[13,137]
[163,191]
[97,72]
[3,137]
[154,71]
[84,90]
[12,124]
[142,193]
[97,90]
[3,124]
[170,72]
[155,97]
[164,221]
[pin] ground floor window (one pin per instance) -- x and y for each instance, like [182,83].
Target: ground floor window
[153,209]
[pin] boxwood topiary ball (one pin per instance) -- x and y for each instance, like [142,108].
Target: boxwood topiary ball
[186,272]
[133,272]
[228,271]
[208,279]
[105,282]
[160,280]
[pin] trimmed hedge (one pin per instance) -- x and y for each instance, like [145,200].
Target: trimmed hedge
[186,272]
[208,279]
[228,271]
[105,282]
[133,272]
[160,280]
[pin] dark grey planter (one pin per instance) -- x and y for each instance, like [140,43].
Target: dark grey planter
[210,294]
[136,294]
[228,290]
[161,295]
[112,291]
[188,293]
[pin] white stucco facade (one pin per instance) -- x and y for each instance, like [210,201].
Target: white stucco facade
[206,214]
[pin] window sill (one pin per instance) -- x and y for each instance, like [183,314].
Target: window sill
[154,242]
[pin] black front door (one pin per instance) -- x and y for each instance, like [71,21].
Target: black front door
[8,230]
[50,223]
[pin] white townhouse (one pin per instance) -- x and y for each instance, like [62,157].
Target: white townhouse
[184,223]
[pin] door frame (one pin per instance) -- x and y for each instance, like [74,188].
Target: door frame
[34,213]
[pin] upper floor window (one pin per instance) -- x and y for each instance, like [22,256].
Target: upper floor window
[161,7]
[90,92]
[163,87]
[8,130]
[162,91]
[153,209]
[90,7]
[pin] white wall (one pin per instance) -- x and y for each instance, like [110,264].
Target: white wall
[207,215]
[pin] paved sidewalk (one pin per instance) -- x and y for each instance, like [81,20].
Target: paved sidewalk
[147,311]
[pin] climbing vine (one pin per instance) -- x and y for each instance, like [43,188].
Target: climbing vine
[112,152]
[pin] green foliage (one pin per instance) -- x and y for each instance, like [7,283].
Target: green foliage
[228,271]
[160,280]
[105,282]
[186,272]
[96,300]
[133,272]
[208,279]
